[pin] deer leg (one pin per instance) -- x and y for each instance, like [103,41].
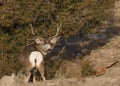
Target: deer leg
[27,78]
[27,73]
[41,70]
[34,77]
[34,80]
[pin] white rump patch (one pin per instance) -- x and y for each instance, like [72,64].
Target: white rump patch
[35,55]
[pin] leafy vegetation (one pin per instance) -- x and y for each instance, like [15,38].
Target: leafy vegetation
[75,16]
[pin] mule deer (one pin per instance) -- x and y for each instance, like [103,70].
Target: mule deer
[32,56]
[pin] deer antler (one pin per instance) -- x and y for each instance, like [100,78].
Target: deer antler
[57,36]
[31,29]
[59,29]
[31,33]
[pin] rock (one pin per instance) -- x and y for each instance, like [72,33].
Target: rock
[84,51]
[113,73]
[96,36]
[7,81]
[106,56]
[79,55]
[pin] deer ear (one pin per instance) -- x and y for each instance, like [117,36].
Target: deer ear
[55,40]
[37,41]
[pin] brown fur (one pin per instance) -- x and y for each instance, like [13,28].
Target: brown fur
[26,65]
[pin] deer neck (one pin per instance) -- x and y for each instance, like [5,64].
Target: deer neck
[43,49]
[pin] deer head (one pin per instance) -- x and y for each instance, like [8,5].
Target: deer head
[47,44]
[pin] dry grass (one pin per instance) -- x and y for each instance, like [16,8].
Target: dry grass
[106,80]
[70,69]
[75,68]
